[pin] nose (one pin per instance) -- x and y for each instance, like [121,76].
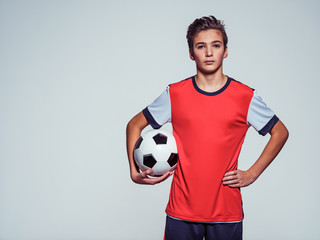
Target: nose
[209,52]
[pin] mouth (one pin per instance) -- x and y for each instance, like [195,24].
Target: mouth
[209,62]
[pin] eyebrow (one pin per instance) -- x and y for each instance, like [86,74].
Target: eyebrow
[216,41]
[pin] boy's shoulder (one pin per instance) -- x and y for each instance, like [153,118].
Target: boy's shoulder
[182,82]
[240,85]
[239,90]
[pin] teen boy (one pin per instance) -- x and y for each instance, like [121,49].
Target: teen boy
[210,114]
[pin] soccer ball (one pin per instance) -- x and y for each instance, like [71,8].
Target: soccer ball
[156,149]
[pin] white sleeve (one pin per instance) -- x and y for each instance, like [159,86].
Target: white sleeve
[260,116]
[159,112]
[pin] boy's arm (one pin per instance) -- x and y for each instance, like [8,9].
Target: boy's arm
[134,128]
[279,135]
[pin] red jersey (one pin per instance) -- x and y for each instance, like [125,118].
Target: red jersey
[209,129]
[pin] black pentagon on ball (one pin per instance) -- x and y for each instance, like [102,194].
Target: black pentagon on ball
[149,160]
[138,143]
[160,139]
[173,159]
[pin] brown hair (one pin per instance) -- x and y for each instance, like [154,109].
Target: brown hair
[203,24]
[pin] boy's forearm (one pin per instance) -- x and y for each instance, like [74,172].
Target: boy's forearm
[132,136]
[133,132]
[279,135]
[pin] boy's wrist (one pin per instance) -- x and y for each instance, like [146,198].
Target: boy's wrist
[253,174]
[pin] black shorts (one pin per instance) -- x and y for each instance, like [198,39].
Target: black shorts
[185,230]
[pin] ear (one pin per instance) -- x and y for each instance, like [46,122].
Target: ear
[191,55]
[225,52]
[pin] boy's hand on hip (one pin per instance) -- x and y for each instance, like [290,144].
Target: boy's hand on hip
[238,178]
[143,178]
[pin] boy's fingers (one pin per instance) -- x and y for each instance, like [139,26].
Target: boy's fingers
[229,177]
[168,174]
[146,173]
[145,179]
[162,178]
[233,181]
[230,173]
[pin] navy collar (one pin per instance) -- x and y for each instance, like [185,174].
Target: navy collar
[210,93]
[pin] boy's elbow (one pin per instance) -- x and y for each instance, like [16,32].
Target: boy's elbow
[139,121]
[130,126]
[286,134]
[282,132]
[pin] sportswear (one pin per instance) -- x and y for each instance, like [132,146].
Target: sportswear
[185,230]
[209,128]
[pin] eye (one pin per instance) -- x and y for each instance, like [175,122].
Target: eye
[200,46]
[216,45]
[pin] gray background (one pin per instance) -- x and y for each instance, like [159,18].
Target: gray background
[73,73]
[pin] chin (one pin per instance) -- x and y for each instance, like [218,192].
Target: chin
[208,71]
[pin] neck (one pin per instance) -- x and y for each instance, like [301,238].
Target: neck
[210,82]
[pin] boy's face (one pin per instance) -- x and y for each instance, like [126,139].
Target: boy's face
[209,51]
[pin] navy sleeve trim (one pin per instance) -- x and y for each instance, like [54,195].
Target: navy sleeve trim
[150,119]
[269,125]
